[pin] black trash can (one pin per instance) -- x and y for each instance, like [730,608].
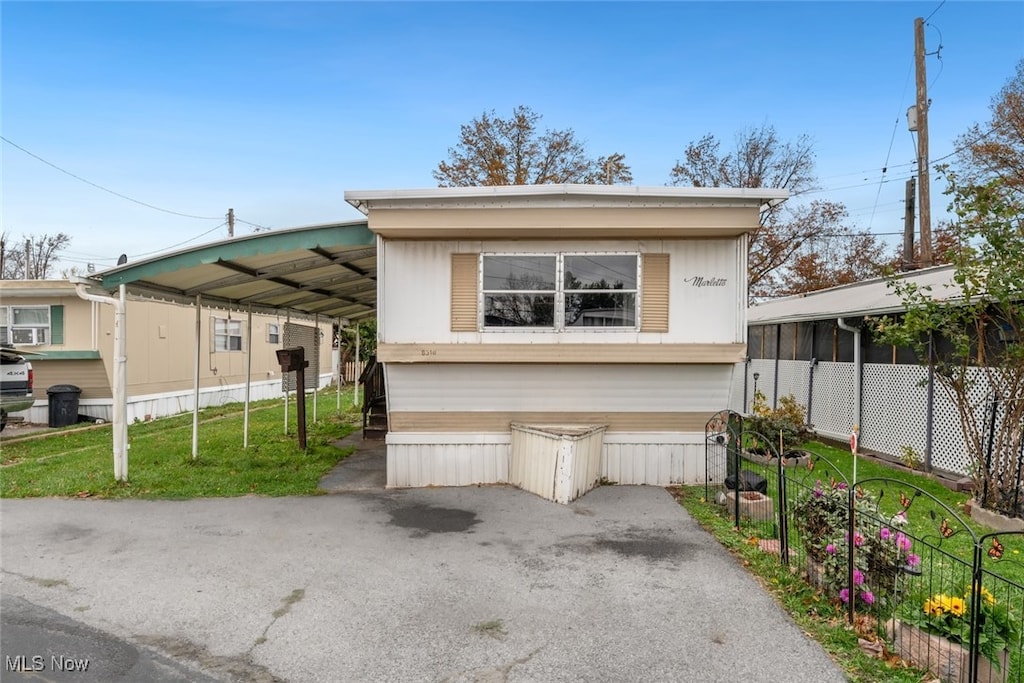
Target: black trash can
[63,404]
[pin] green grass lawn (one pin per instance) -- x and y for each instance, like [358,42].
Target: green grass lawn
[79,461]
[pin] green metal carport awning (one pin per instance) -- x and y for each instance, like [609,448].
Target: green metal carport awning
[328,270]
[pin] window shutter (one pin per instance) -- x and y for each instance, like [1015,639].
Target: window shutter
[57,324]
[464,292]
[654,293]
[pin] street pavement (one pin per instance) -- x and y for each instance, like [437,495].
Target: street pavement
[482,584]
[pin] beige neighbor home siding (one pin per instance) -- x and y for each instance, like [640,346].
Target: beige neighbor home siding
[464,295]
[654,292]
[88,375]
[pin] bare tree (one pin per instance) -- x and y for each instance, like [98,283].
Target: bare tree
[997,151]
[33,257]
[496,151]
[787,232]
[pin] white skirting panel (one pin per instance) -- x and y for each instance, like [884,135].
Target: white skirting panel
[438,459]
[660,459]
[152,406]
[449,459]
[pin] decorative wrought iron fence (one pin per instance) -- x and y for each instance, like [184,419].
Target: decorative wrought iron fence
[940,593]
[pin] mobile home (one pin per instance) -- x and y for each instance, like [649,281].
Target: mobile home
[505,312]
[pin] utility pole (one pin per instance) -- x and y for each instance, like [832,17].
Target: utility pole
[925,211]
[28,258]
[231,222]
[908,227]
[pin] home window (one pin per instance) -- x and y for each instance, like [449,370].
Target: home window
[227,334]
[25,325]
[559,291]
[273,333]
[519,290]
[599,290]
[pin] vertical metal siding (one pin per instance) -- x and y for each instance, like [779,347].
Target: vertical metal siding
[654,464]
[440,464]
[533,462]
[558,466]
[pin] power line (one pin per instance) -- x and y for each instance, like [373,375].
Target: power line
[892,139]
[934,11]
[100,187]
[254,225]
[191,239]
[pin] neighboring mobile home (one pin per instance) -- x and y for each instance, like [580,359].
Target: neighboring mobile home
[619,310]
[74,338]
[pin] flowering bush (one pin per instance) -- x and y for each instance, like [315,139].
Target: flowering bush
[881,551]
[949,616]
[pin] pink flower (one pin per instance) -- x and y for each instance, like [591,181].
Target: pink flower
[913,559]
[830,549]
[868,597]
[858,539]
[902,542]
[844,595]
[858,577]
[884,533]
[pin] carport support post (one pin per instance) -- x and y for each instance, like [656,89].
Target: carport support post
[339,369]
[120,407]
[120,387]
[300,402]
[195,378]
[355,385]
[316,347]
[284,376]
[248,377]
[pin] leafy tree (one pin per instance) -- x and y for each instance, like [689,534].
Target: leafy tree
[841,257]
[998,151]
[36,262]
[981,330]
[793,236]
[496,151]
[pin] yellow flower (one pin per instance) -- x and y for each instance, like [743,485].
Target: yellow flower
[958,606]
[932,608]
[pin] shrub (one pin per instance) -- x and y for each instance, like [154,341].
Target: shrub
[765,424]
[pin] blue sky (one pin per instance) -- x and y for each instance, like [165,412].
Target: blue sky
[275,109]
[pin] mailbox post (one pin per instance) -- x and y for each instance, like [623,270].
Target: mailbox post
[293,359]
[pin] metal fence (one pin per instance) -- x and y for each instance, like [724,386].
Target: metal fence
[900,407]
[939,592]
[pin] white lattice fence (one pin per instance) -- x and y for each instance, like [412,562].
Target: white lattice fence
[793,379]
[950,450]
[895,406]
[832,411]
[736,388]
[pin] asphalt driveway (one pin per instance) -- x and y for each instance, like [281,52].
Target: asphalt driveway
[455,584]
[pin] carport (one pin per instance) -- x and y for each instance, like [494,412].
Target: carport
[314,272]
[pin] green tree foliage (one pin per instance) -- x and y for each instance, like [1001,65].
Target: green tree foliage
[513,151]
[981,327]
